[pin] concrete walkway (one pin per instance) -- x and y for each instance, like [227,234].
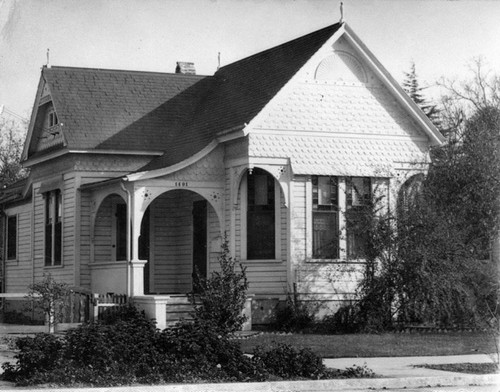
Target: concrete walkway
[397,367]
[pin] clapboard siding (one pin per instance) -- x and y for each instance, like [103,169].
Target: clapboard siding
[172,233]
[18,272]
[85,206]
[265,278]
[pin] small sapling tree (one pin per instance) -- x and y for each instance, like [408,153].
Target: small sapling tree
[48,295]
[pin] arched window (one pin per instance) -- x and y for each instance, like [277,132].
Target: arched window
[409,194]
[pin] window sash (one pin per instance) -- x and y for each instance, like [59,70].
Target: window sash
[325,235]
[358,197]
[53,228]
[11,237]
[325,217]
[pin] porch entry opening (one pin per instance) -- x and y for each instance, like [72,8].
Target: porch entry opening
[199,242]
[183,231]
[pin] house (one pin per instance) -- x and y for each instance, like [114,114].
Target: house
[136,177]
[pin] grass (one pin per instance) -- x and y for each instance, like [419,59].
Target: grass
[471,368]
[381,345]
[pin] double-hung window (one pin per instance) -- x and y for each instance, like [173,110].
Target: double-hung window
[338,217]
[325,217]
[53,228]
[358,200]
[11,238]
[261,213]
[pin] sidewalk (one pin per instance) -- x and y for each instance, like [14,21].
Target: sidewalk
[398,367]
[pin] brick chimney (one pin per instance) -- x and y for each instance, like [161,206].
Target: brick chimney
[185,68]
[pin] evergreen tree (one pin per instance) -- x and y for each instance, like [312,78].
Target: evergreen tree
[412,87]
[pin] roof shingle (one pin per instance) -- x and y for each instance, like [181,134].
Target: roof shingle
[175,113]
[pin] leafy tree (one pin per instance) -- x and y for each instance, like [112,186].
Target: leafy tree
[12,134]
[429,262]
[412,87]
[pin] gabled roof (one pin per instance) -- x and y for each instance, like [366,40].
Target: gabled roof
[240,92]
[121,110]
[183,115]
[15,192]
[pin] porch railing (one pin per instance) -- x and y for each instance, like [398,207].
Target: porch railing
[108,303]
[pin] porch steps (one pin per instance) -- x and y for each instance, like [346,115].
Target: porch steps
[178,308]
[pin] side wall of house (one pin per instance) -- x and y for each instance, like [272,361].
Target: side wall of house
[67,174]
[18,271]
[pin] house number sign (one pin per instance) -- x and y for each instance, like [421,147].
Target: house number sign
[181,183]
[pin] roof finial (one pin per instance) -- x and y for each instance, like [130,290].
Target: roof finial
[48,57]
[218,60]
[341,12]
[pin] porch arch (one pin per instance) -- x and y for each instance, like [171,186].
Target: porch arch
[108,266]
[185,234]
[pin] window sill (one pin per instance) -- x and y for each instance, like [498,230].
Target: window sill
[53,266]
[16,260]
[264,261]
[337,261]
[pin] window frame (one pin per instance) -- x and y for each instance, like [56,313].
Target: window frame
[7,237]
[53,228]
[243,220]
[325,209]
[52,119]
[343,205]
[363,199]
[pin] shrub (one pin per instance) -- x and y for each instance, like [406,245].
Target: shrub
[123,343]
[288,362]
[208,353]
[345,320]
[295,315]
[38,355]
[220,299]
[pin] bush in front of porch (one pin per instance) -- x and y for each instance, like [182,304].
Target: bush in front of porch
[220,298]
[127,348]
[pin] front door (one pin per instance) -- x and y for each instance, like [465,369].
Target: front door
[199,241]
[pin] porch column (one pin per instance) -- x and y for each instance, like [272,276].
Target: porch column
[136,266]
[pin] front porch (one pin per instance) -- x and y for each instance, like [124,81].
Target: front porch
[175,238]
[167,310]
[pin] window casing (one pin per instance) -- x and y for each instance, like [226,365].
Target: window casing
[336,213]
[11,237]
[325,217]
[358,200]
[261,216]
[52,118]
[53,228]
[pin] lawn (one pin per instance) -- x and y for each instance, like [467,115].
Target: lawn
[381,345]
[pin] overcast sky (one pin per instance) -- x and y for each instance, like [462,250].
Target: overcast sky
[441,36]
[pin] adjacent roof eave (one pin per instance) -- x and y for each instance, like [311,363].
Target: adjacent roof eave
[33,161]
[223,136]
[412,108]
[171,169]
[34,111]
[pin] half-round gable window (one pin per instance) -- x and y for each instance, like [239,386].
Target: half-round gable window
[342,67]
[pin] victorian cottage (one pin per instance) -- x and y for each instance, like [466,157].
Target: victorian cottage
[136,177]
